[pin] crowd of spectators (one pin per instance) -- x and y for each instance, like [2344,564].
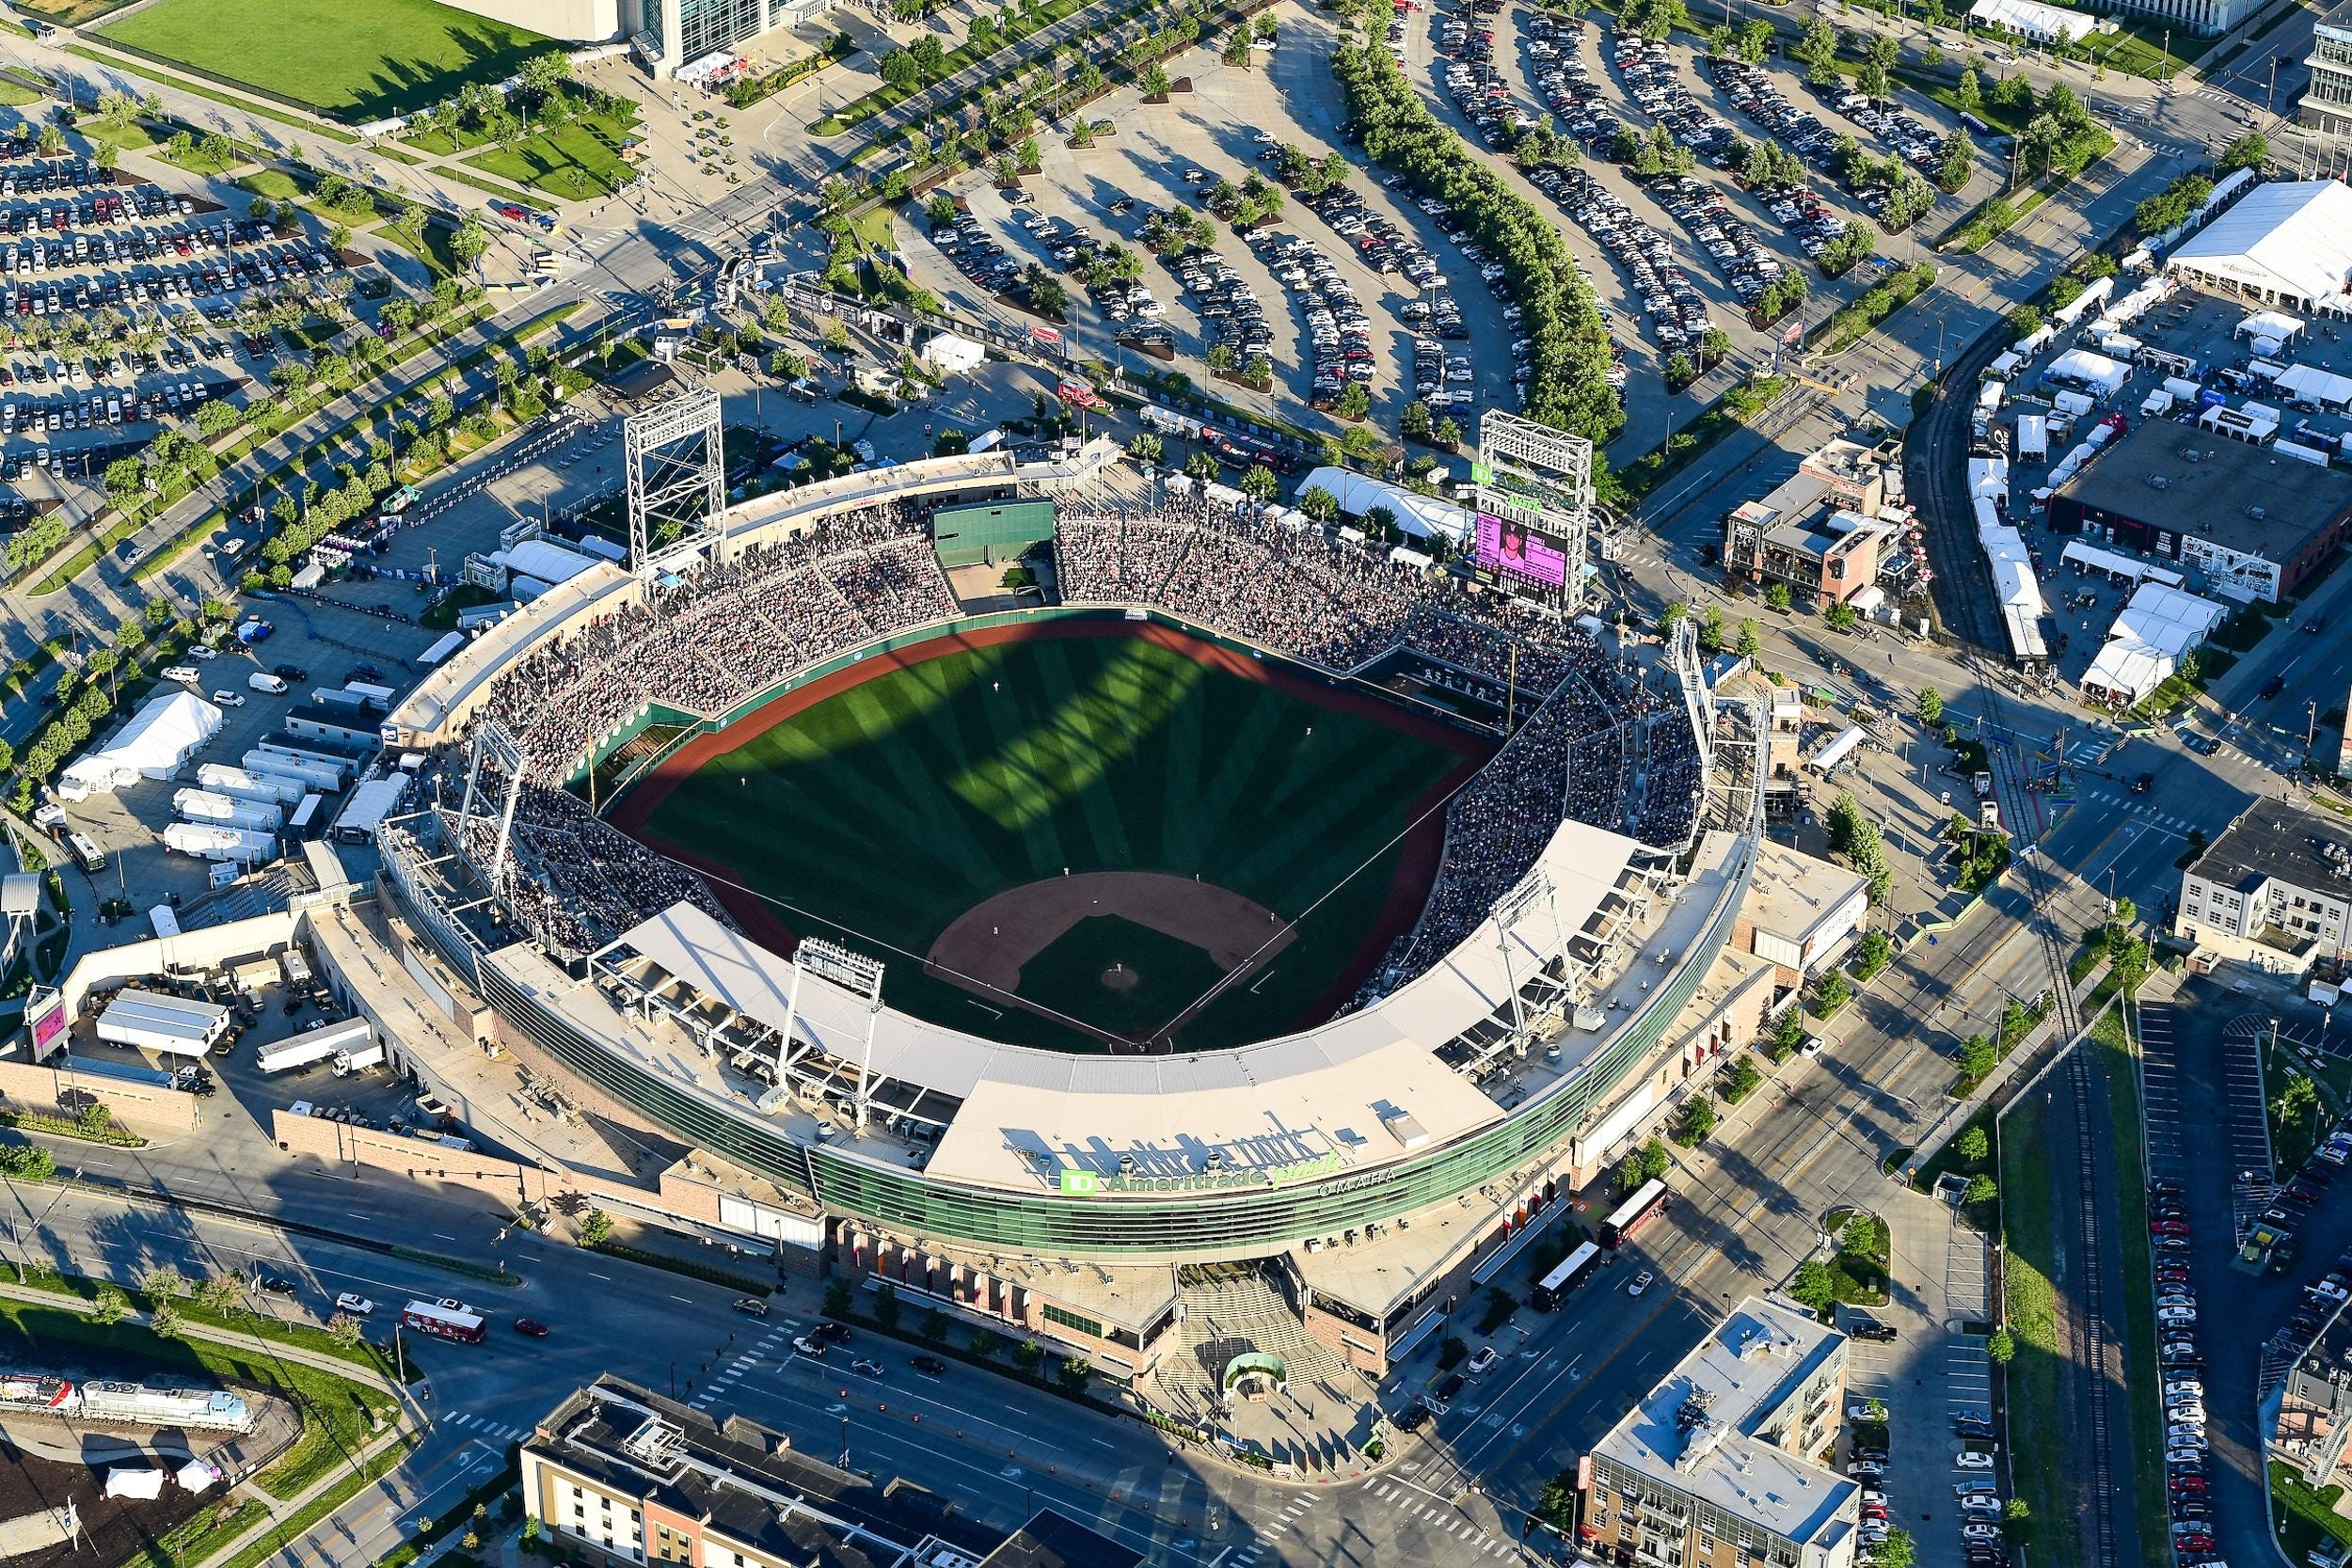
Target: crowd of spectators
[724,634]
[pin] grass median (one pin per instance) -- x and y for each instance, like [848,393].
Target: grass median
[2039,1458]
[2117,1060]
[138,67]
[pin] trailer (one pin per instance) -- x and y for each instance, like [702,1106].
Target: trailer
[304,823]
[376,699]
[324,1043]
[215,841]
[169,1025]
[349,1062]
[347,731]
[318,774]
[244,784]
[294,967]
[202,805]
[369,805]
[448,644]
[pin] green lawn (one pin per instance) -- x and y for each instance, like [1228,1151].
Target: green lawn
[2116,1061]
[1118,976]
[355,60]
[2036,1442]
[579,161]
[989,769]
[2305,1517]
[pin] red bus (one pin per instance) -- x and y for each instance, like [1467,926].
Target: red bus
[1632,1213]
[444,1319]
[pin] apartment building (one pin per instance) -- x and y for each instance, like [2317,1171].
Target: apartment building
[1721,1464]
[617,1475]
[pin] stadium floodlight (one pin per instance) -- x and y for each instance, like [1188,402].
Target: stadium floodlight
[677,503]
[1698,698]
[1534,493]
[858,974]
[492,744]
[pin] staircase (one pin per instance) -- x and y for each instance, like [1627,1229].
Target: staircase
[1231,1309]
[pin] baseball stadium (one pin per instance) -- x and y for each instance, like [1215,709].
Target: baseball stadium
[1236,906]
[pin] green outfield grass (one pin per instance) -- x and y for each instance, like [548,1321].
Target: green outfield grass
[355,60]
[884,811]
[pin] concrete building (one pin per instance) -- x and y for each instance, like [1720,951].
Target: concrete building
[1800,912]
[2327,102]
[617,1474]
[701,42]
[1819,531]
[2254,523]
[1721,1464]
[2273,891]
[2315,1407]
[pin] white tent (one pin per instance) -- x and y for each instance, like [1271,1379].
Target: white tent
[134,1480]
[2006,365]
[954,356]
[543,559]
[2031,19]
[2288,242]
[2094,371]
[2276,326]
[198,1476]
[2093,294]
[2315,386]
[2145,645]
[153,744]
[1989,396]
[2033,439]
[1420,516]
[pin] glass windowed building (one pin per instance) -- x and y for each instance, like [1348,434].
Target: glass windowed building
[675,33]
[2327,100]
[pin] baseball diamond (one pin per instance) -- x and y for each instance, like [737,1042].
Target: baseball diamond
[1091,836]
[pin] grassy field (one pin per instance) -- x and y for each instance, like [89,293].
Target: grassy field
[2116,1054]
[583,160]
[2036,1443]
[989,768]
[355,60]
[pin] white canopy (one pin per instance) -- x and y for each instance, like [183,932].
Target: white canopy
[2033,437]
[2145,645]
[1417,515]
[2315,386]
[2290,242]
[134,1480]
[954,355]
[544,559]
[2092,369]
[153,744]
[2275,325]
[2034,20]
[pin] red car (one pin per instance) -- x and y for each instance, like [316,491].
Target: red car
[2168,1227]
[531,1326]
[2188,1483]
[2303,1193]
[2193,1542]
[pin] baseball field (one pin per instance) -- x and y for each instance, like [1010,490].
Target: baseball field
[1087,837]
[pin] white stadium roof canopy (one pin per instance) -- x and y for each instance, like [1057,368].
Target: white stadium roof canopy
[2288,241]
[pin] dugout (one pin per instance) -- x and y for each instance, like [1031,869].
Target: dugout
[987,536]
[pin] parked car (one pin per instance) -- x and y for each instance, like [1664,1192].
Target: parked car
[1486,1357]
[358,1306]
[1973,1461]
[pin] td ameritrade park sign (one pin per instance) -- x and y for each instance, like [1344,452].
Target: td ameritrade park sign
[1086,1183]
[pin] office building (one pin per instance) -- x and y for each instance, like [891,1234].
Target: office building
[2273,891]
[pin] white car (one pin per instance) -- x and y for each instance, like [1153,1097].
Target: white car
[184,674]
[229,699]
[1861,1411]
[201,651]
[358,1306]
[1641,1283]
[1973,1461]
[812,1349]
[1483,1359]
[1980,1532]
[2176,1316]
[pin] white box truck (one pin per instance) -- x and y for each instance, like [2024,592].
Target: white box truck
[262,680]
[324,1043]
[349,1062]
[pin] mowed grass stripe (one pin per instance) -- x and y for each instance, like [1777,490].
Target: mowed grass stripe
[890,809]
[1099,807]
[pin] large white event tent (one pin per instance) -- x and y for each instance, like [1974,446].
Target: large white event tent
[2145,645]
[153,744]
[2288,242]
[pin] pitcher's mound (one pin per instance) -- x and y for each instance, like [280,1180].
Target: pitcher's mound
[1119,977]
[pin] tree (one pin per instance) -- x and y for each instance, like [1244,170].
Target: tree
[1957,158]
[344,1330]
[1813,1285]
[1319,504]
[1836,990]
[886,1306]
[162,1283]
[1656,1160]
[1973,1146]
[1237,47]
[1897,1551]
[1979,1055]
[1147,447]
[110,1308]
[2298,1100]
[2251,151]
[1711,630]
[1931,706]
[900,71]
[934,1327]
[1260,485]
[1697,1123]
[1818,50]
[163,1321]
[1778,596]
[2000,1347]
[838,1294]
[1448,432]
[221,1293]
[1751,639]
[1413,423]
[1355,401]
[1979,1190]
[1049,299]
[1966,94]
[1155,83]
[467,242]
[596,1228]
[1628,1173]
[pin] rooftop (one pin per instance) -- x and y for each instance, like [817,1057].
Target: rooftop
[2146,475]
[1793,893]
[746,1480]
[1697,1431]
[2275,840]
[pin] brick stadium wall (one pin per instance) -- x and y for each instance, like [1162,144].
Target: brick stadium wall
[62,1091]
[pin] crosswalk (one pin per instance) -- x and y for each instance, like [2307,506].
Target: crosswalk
[723,1382]
[1436,1516]
[466,1421]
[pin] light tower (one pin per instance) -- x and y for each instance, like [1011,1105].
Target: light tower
[676,482]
